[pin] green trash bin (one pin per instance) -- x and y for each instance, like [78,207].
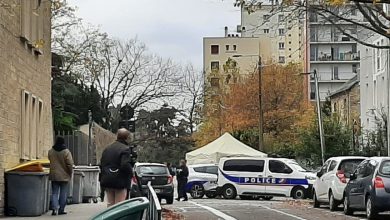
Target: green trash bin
[133,209]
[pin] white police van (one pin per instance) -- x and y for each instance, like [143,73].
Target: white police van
[202,180]
[251,177]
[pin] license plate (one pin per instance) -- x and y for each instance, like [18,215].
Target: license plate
[157,190]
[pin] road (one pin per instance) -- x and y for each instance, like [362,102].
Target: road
[276,209]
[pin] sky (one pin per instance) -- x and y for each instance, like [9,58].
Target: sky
[170,28]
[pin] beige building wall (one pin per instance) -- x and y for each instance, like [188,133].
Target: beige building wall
[281,30]
[25,84]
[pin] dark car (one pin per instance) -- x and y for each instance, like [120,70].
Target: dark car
[369,188]
[158,175]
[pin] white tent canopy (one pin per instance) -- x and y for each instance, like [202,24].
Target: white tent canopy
[224,146]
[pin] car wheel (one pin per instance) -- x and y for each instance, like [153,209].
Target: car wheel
[332,202]
[316,203]
[347,209]
[267,198]
[298,192]
[197,191]
[370,209]
[229,192]
[211,195]
[169,200]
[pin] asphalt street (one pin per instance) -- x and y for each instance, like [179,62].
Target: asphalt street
[276,209]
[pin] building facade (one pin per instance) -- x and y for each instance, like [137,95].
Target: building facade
[333,54]
[277,27]
[25,83]
[374,76]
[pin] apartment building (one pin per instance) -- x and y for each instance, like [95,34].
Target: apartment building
[333,54]
[279,27]
[25,83]
[374,83]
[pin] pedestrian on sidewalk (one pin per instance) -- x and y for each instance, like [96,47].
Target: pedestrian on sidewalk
[182,178]
[61,170]
[116,168]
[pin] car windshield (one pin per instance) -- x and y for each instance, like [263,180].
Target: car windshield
[152,170]
[349,166]
[297,167]
[385,168]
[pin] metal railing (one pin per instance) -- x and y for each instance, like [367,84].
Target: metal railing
[154,210]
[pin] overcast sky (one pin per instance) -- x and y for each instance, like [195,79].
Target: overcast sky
[171,28]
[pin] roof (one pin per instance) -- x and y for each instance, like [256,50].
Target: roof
[347,158]
[346,86]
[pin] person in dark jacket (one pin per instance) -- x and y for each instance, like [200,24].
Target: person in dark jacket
[116,169]
[182,178]
[61,169]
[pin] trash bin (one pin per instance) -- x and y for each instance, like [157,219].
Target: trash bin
[130,209]
[78,186]
[26,193]
[91,182]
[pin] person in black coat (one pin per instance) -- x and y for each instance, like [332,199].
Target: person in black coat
[116,169]
[182,178]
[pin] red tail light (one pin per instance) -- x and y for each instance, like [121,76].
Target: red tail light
[134,180]
[378,183]
[340,174]
[170,179]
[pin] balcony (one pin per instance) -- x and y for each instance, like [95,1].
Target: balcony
[346,57]
[333,77]
[314,39]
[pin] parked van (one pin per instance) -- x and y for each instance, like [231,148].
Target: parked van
[263,177]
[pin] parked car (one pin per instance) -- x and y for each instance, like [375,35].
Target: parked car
[369,188]
[158,175]
[202,180]
[251,177]
[332,179]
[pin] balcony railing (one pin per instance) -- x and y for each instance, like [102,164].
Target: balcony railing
[347,56]
[333,76]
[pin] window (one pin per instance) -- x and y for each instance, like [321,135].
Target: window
[282,59]
[323,169]
[349,166]
[353,12]
[281,46]
[31,136]
[32,24]
[354,68]
[289,42]
[335,72]
[214,49]
[227,47]
[215,65]
[266,31]
[266,17]
[281,32]
[276,166]
[364,169]
[244,165]
[152,170]
[234,47]
[280,18]
[385,168]
[214,82]
[333,165]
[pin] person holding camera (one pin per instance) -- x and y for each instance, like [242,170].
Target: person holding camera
[116,168]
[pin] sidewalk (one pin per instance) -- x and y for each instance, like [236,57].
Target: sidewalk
[76,211]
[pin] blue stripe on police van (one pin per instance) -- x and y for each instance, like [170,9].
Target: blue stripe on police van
[265,181]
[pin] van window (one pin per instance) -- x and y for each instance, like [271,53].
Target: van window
[207,169]
[276,166]
[200,169]
[244,165]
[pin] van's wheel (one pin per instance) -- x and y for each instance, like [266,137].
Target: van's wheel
[316,203]
[347,209]
[371,212]
[211,195]
[298,192]
[95,200]
[333,203]
[197,191]
[229,192]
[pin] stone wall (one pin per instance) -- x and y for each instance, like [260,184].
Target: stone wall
[21,68]
[347,105]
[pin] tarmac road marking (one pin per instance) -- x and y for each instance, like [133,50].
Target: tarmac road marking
[283,213]
[215,211]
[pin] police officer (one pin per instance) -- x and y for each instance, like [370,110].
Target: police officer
[182,178]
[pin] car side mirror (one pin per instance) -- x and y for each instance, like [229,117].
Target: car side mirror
[352,176]
[319,174]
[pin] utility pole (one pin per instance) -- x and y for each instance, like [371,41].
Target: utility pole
[89,136]
[261,139]
[388,101]
[319,115]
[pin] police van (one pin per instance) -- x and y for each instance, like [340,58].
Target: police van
[202,180]
[250,177]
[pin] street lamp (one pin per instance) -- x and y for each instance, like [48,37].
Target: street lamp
[259,68]
[319,115]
